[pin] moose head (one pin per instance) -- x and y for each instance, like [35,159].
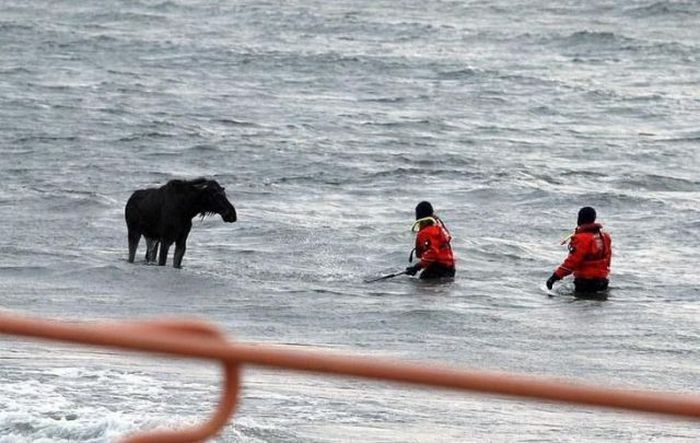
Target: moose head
[212,200]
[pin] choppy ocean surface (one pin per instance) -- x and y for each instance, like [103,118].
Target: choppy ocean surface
[327,122]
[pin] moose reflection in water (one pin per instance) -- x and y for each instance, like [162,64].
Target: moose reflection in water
[164,215]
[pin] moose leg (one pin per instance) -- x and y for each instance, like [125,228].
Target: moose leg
[154,252]
[134,237]
[180,247]
[163,257]
[179,253]
[151,249]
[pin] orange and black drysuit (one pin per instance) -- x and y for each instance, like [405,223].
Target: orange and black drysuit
[590,252]
[434,250]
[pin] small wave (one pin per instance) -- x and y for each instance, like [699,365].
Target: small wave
[261,433]
[233,122]
[644,98]
[692,136]
[430,314]
[145,136]
[620,198]
[664,8]
[316,178]
[683,139]
[587,174]
[116,16]
[454,160]
[457,74]
[47,413]
[12,28]
[661,183]
[597,39]
[96,38]
[165,6]
[593,36]
[385,99]
[397,124]
[603,46]
[22,270]
[45,138]
[14,69]
[109,269]
[119,72]
[499,249]
[406,172]
[594,46]
[203,148]
[17,152]
[77,193]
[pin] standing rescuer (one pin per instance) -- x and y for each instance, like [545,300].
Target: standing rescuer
[590,251]
[432,245]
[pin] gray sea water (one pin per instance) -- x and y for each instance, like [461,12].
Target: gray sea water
[327,122]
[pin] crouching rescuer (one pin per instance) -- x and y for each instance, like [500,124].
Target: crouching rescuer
[432,245]
[590,252]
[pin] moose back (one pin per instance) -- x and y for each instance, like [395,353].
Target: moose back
[164,215]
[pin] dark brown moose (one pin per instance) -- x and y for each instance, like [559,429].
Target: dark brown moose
[164,215]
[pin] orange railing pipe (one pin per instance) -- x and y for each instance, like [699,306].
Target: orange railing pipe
[196,339]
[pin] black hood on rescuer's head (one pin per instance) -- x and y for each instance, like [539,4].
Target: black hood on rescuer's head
[424,209]
[586,215]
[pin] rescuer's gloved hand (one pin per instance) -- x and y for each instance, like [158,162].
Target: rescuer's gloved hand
[411,270]
[551,280]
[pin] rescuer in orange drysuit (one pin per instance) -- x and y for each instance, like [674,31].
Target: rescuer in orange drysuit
[590,251]
[432,245]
